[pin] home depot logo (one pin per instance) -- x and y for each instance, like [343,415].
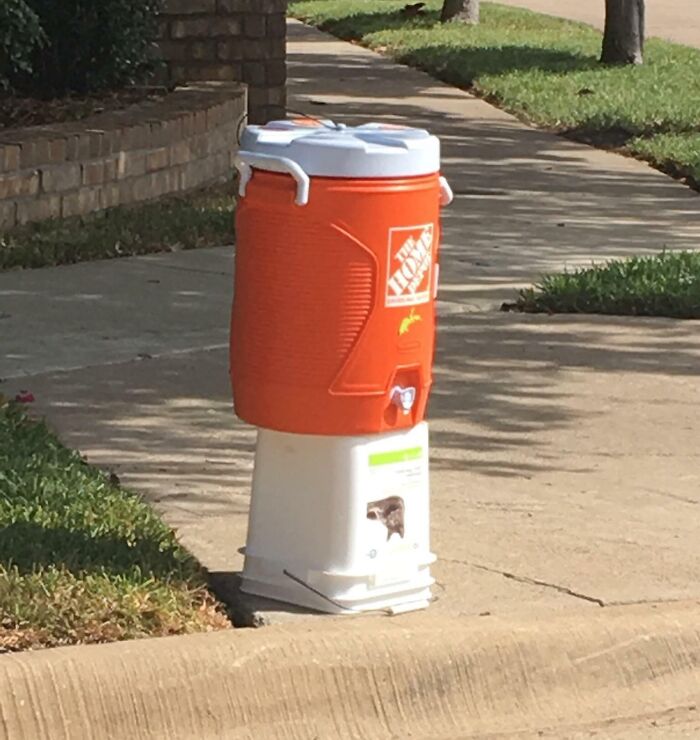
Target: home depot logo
[410,265]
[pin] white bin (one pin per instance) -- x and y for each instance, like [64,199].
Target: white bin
[341,524]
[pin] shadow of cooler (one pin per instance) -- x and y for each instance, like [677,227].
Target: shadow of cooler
[332,340]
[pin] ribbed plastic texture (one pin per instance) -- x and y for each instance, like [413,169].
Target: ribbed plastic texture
[334,303]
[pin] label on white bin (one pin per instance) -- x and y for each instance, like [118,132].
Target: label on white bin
[396,479]
[346,516]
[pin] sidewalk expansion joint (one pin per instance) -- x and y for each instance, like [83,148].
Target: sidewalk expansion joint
[140,357]
[198,270]
[530,581]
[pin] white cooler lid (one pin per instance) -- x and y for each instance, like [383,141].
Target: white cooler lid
[326,149]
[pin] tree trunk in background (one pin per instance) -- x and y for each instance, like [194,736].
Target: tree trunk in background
[466,11]
[623,41]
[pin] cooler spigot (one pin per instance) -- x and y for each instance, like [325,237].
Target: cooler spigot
[404,398]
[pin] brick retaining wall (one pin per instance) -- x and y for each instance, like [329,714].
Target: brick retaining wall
[182,142]
[243,40]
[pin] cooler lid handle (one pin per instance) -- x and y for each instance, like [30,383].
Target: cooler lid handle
[247,161]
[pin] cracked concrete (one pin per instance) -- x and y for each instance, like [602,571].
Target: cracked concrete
[531,581]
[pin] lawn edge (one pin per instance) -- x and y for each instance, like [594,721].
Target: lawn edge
[668,167]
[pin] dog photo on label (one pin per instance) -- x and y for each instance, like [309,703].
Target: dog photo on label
[390,513]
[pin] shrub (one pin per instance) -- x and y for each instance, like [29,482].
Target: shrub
[20,36]
[91,45]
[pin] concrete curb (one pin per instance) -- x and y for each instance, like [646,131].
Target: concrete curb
[413,676]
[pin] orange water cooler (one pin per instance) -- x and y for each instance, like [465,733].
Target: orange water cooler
[332,340]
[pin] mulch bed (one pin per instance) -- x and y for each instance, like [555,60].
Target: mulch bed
[16,112]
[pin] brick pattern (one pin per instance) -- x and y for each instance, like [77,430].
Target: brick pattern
[242,40]
[185,141]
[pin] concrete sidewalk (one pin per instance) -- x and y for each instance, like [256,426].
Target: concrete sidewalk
[675,20]
[566,473]
[527,201]
[565,466]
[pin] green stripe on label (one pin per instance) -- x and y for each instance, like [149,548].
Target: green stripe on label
[396,456]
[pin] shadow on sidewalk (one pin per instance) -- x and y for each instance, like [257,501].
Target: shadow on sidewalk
[497,393]
[168,423]
[527,202]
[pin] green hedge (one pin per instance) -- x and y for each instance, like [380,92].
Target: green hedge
[21,36]
[57,47]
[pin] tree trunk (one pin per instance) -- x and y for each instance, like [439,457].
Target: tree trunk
[466,11]
[623,41]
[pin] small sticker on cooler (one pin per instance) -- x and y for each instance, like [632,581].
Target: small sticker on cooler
[408,321]
[410,265]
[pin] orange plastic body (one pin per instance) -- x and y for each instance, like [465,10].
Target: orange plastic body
[334,303]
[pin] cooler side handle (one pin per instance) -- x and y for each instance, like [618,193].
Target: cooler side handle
[446,194]
[246,161]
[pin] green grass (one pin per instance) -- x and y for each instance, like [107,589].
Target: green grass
[678,154]
[202,219]
[544,70]
[81,560]
[667,284]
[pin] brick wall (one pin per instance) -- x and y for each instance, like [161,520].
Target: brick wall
[184,141]
[243,40]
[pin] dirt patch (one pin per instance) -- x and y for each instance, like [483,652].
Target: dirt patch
[614,138]
[17,111]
